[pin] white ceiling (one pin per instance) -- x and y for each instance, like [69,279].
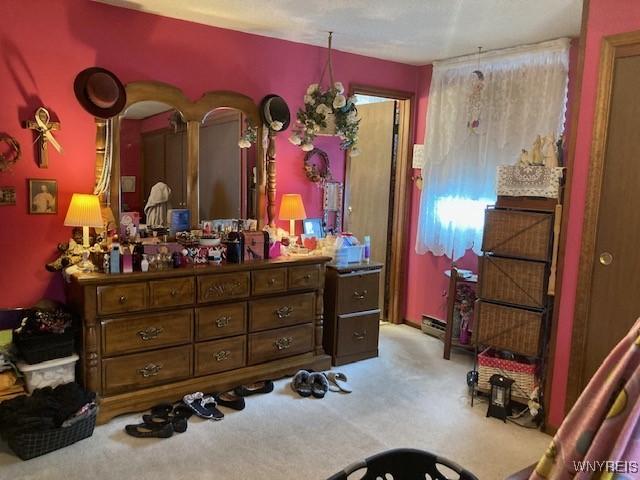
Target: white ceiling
[408,31]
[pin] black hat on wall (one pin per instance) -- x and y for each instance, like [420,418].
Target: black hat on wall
[273,108]
[100,92]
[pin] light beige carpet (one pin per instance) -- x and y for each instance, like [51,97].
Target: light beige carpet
[408,397]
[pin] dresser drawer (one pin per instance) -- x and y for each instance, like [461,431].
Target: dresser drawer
[281,311]
[172,293]
[518,282]
[358,333]
[126,335]
[273,280]
[142,370]
[304,277]
[221,321]
[224,286]
[127,297]
[220,355]
[358,292]
[280,343]
[508,328]
[513,233]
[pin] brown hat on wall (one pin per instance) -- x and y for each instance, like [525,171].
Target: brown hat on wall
[100,92]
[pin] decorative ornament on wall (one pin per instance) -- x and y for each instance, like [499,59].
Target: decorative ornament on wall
[474,105]
[44,128]
[10,152]
[327,111]
[316,166]
[7,196]
[249,136]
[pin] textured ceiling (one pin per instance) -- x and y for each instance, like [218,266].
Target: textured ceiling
[408,31]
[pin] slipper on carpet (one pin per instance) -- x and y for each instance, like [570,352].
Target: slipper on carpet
[265,386]
[143,430]
[300,383]
[230,400]
[319,385]
[338,380]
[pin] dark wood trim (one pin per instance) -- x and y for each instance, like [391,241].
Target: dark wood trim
[399,234]
[612,47]
[571,152]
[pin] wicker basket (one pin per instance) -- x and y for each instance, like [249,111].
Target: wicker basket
[30,445]
[523,374]
[518,282]
[513,233]
[508,328]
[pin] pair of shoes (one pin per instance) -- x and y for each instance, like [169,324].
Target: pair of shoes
[306,383]
[338,382]
[163,422]
[203,406]
[231,400]
[265,386]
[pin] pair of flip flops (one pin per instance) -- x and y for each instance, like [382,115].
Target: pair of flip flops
[203,406]
[338,382]
[163,422]
[307,384]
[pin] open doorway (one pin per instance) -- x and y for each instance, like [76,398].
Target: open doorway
[375,200]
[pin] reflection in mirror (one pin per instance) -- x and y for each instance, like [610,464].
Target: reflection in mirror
[153,149]
[226,180]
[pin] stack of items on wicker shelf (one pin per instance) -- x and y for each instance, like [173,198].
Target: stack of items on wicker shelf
[44,343]
[48,419]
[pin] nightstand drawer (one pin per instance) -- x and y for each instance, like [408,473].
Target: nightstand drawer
[172,293]
[281,311]
[127,335]
[220,355]
[273,280]
[358,333]
[358,292]
[280,343]
[142,370]
[221,321]
[127,297]
[224,286]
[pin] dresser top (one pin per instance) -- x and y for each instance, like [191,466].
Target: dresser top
[108,278]
[353,267]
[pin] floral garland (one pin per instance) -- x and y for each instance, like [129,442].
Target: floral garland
[312,117]
[250,135]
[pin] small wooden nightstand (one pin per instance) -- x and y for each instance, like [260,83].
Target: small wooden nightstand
[351,312]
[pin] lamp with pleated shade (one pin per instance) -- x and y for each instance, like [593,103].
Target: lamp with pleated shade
[292,209]
[84,211]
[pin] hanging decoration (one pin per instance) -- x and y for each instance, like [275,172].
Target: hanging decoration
[249,136]
[474,105]
[327,111]
[10,152]
[317,171]
[43,126]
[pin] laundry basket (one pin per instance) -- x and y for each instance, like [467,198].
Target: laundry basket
[405,464]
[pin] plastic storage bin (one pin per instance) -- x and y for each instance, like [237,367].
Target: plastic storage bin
[49,374]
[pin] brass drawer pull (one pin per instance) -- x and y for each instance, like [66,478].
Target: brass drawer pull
[358,295]
[150,333]
[284,312]
[122,299]
[223,321]
[307,277]
[150,370]
[222,355]
[221,289]
[173,292]
[272,281]
[283,343]
[360,336]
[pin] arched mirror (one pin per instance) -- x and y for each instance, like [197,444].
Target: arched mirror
[191,147]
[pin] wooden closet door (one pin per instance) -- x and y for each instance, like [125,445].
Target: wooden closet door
[152,161]
[614,300]
[175,161]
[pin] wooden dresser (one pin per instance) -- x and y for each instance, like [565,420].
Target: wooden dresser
[153,337]
[352,312]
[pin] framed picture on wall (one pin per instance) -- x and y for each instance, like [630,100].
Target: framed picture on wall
[7,196]
[128,184]
[43,196]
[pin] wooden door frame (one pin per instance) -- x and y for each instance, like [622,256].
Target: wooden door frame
[613,47]
[399,233]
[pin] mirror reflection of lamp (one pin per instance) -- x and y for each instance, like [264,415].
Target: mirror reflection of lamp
[292,209]
[84,211]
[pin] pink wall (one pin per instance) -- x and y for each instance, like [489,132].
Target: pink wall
[135,46]
[606,17]
[130,154]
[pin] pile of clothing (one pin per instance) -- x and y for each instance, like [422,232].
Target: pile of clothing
[46,409]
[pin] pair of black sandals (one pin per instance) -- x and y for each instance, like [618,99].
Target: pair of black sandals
[166,419]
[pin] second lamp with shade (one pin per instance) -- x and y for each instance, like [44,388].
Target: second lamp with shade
[84,211]
[292,209]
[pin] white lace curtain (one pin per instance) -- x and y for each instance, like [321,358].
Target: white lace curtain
[482,110]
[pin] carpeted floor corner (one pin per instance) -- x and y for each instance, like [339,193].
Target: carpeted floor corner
[408,397]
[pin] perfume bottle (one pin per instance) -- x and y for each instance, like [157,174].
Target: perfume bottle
[115,258]
[138,251]
[127,260]
[144,264]
[367,249]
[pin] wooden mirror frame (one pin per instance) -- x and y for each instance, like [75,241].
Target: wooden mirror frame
[193,114]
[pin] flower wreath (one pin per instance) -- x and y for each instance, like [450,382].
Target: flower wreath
[8,159]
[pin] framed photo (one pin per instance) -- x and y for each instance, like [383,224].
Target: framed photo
[313,227]
[128,184]
[43,196]
[7,196]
